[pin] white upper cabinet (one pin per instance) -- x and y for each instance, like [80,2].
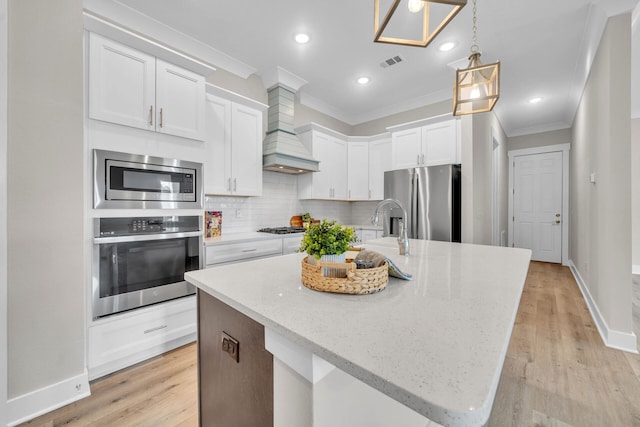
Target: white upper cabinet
[331,181]
[379,163]
[358,170]
[432,144]
[246,150]
[179,101]
[439,143]
[234,148]
[407,148]
[131,88]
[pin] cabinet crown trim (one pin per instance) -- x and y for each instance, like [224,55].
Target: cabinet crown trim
[96,24]
[422,122]
[235,97]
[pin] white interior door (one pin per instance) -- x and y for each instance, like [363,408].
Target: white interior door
[537,205]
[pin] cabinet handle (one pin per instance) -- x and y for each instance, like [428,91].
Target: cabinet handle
[369,194]
[155,329]
[235,185]
[423,158]
[418,159]
[161,120]
[250,250]
[151,115]
[349,194]
[229,185]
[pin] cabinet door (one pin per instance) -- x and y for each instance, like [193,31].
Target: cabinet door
[121,84]
[180,96]
[379,163]
[439,143]
[406,148]
[358,170]
[246,151]
[217,164]
[321,186]
[368,235]
[232,392]
[338,166]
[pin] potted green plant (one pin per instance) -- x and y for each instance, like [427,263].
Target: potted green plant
[306,220]
[327,241]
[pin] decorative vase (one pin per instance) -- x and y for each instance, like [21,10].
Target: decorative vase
[334,272]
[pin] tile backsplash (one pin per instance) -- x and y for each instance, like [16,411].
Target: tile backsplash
[278,203]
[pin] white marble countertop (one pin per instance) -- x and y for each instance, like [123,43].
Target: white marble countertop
[436,344]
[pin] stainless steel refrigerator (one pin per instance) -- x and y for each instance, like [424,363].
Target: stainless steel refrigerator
[431,197]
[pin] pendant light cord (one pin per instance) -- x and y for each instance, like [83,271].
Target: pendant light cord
[474,37]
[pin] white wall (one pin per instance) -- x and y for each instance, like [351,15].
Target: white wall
[478,132]
[534,140]
[46,342]
[3,213]
[600,242]
[635,194]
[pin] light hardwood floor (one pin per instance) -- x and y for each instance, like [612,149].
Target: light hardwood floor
[557,373]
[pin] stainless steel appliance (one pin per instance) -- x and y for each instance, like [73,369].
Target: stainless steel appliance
[282,230]
[432,198]
[142,260]
[123,180]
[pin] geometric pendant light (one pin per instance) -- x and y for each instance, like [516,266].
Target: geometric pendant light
[477,87]
[415,23]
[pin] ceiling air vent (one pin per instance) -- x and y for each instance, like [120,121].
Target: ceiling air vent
[391,61]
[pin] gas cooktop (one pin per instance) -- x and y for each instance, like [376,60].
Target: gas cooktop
[283,230]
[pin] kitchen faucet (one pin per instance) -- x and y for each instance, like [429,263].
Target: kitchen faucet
[403,237]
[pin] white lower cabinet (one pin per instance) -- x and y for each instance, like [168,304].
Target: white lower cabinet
[291,243]
[122,340]
[242,251]
[364,234]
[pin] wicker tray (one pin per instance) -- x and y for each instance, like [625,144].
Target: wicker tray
[362,281]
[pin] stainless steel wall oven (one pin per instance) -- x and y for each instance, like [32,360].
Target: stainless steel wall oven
[142,260]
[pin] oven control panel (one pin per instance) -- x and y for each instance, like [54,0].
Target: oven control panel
[107,227]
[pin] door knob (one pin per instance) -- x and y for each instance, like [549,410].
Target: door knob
[557,221]
[557,215]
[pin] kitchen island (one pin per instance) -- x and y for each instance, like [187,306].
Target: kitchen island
[435,344]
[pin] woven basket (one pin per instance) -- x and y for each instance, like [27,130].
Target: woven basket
[358,281]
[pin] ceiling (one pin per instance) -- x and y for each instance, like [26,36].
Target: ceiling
[545,48]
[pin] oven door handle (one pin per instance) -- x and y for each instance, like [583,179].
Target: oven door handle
[145,237]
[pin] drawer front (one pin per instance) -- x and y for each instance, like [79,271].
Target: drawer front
[120,337]
[290,245]
[218,254]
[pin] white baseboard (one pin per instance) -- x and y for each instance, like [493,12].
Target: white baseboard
[625,341]
[31,405]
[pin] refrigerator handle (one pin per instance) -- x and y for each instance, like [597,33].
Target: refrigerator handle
[413,224]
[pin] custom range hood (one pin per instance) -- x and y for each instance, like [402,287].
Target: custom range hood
[282,151]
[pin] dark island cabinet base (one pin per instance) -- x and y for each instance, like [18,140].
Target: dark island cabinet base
[232,393]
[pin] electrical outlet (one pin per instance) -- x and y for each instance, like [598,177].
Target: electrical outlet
[231,346]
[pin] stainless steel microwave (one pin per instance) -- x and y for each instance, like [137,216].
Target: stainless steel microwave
[123,180]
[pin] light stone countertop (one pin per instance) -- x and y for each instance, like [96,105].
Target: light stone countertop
[436,344]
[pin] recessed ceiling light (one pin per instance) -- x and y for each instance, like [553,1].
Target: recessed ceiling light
[535,100]
[363,80]
[447,46]
[302,38]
